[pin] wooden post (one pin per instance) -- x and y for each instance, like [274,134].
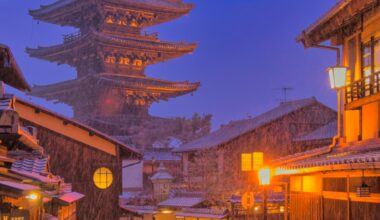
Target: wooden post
[265,203]
[348,197]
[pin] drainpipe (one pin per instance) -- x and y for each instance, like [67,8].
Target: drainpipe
[339,137]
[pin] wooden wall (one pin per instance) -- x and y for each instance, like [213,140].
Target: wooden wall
[274,139]
[76,163]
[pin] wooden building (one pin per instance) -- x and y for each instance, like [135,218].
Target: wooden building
[342,181]
[90,160]
[28,188]
[110,53]
[213,161]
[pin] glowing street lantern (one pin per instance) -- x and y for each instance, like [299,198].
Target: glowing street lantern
[337,76]
[264,176]
[32,196]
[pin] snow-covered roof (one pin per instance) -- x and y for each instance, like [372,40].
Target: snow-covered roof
[160,155]
[181,202]
[237,128]
[12,74]
[162,174]
[18,186]
[141,209]
[357,155]
[327,131]
[70,197]
[160,3]
[203,213]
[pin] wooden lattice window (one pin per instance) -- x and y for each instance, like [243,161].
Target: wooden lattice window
[103,178]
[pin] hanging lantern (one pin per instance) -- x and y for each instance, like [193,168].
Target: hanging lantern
[364,190]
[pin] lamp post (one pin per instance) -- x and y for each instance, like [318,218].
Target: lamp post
[264,175]
[337,76]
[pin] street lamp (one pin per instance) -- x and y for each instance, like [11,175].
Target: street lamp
[264,175]
[337,76]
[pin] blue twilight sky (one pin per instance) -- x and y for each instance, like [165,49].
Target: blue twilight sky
[246,52]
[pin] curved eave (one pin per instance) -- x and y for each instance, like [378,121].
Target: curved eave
[344,13]
[59,12]
[12,75]
[54,53]
[56,12]
[171,89]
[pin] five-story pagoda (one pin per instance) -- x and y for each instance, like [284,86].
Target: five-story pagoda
[110,53]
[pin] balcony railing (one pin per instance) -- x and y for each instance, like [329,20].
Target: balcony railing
[362,88]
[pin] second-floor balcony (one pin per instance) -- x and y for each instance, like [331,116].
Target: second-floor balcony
[363,91]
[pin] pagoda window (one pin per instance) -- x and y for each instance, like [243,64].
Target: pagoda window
[124,60]
[122,21]
[133,23]
[137,62]
[110,59]
[109,19]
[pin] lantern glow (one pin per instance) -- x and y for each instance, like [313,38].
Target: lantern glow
[337,75]
[264,176]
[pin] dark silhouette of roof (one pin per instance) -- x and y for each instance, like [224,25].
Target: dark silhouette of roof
[10,73]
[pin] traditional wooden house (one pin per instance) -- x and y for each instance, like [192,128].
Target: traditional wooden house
[341,181]
[28,188]
[212,161]
[89,159]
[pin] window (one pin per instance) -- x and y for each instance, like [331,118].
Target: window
[103,178]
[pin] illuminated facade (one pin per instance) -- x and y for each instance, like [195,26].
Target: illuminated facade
[110,53]
[341,181]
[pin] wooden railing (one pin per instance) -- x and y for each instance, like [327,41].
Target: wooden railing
[362,88]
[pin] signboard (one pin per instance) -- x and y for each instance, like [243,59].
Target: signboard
[247,200]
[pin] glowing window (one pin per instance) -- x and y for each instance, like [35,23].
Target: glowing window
[103,178]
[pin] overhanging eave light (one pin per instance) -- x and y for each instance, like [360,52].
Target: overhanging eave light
[337,75]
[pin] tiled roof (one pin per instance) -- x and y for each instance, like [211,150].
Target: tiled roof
[181,202]
[31,165]
[325,132]
[12,75]
[159,3]
[170,4]
[237,128]
[141,209]
[18,186]
[160,155]
[70,197]
[365,154]
[203,213]
[123,146]
[162,174]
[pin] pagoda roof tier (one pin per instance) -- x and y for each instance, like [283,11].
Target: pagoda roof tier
[150,88]
[71,12]
[153,50]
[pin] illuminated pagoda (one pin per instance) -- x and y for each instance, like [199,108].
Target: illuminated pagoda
[110,53]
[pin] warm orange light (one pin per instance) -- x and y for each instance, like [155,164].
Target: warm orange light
[258,160]
[32,196]
[264,176]
[282,209]
[103,178]
[337,75]
[246,162]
